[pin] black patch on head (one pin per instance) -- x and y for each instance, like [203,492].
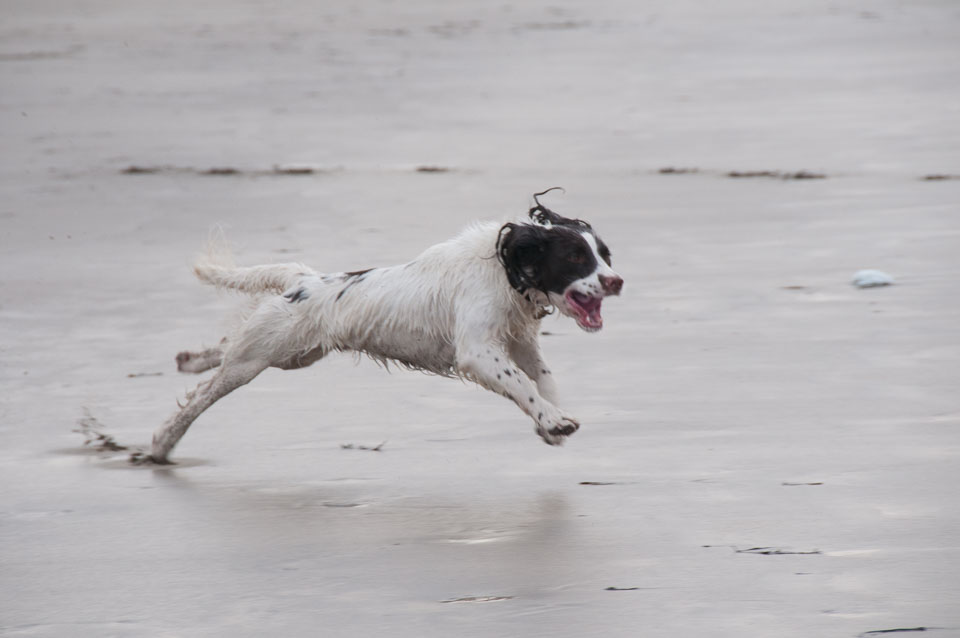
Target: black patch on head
[549,254]
[543,215]
[296,295]
[545,259]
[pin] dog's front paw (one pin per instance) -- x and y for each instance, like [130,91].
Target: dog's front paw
[555,429]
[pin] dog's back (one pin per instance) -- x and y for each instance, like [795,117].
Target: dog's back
[409,314]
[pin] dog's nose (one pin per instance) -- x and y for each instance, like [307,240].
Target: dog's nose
[611,285]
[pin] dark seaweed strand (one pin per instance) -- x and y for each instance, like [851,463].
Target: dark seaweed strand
[543,215]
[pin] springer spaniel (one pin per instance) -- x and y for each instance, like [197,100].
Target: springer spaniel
[469,307]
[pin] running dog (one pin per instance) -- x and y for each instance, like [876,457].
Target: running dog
[469,307]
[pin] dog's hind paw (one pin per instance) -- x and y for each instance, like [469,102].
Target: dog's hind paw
[197,362]
[142,458]
[183,358]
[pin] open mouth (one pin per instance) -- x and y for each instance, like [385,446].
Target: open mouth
[585,309]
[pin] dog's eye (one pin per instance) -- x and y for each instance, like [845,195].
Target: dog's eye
[605,253]
[578,257]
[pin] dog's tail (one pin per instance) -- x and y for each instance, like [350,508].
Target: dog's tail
[216,267]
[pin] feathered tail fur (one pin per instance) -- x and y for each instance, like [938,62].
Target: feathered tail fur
[216,267]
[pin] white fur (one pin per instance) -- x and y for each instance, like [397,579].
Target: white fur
[450,311]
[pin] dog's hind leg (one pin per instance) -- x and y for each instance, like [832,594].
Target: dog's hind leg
[231,376]
[268,338]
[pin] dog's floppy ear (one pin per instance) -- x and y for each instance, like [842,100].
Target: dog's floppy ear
[520,249]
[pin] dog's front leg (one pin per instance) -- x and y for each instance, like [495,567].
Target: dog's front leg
[491,367]
[527,354]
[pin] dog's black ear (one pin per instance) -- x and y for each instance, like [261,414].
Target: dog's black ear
[520,249]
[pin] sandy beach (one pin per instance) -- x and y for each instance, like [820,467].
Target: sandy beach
[766,450]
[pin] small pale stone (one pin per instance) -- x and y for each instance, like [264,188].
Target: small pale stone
[871,279]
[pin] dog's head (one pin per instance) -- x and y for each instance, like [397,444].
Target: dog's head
[561,258]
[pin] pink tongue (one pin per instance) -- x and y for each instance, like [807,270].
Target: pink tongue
[594,318]
[592,307]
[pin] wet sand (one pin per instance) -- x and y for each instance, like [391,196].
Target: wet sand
[765,451]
